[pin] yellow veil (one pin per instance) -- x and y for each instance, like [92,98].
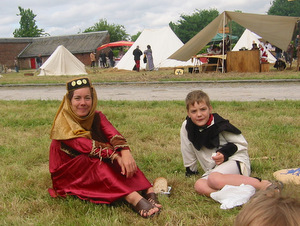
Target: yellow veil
[67,124]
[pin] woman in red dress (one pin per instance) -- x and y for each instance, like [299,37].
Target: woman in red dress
[90,159]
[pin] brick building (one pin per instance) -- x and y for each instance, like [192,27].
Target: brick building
[27,49]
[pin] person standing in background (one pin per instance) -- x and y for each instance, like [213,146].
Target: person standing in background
[16,64]
[39,61]
[137,53]
[278,52]
[268,46]
[103,59]
[289,53]
[148,54]
[111,58]
[93,59]
[227,44]
[263,53]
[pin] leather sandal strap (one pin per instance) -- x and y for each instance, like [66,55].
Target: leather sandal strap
[277,185]
[143,207]
[152,197]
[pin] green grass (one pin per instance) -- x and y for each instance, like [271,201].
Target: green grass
[166,74]
[272,129]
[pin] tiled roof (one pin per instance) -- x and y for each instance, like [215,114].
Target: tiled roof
[80,43]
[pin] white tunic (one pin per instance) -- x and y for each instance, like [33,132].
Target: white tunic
[191,155]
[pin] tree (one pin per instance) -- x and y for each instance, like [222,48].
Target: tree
[135,37]
[285,8]
[116,32]
[236,29]
[189,25]
[28,28]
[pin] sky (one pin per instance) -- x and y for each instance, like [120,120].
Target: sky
[68,17]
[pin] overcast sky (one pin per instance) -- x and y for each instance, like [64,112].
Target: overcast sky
[65,17]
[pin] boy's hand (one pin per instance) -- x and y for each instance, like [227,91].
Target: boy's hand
[218,158]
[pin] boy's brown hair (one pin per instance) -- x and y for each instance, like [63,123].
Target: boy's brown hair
[196,96]
[269,208]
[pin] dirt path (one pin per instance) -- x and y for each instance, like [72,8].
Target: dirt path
[244,91]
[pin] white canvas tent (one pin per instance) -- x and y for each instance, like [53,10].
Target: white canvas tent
[246,41]
[278,30]
[62,62]
[163,42]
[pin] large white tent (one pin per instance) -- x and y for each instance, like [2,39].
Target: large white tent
[163,42]
[62,62]
[246,41]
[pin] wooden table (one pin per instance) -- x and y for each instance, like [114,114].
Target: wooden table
[201,61]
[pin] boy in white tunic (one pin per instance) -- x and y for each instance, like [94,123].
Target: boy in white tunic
[217,145]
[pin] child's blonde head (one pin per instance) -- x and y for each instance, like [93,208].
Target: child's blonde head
[270,209]
[196,96]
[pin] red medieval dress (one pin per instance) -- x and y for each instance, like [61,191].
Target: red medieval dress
[82,167]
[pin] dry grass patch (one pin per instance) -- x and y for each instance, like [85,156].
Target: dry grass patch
[163,74]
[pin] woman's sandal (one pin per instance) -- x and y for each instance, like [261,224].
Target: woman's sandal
[143,207]
[275,185]
[152,198]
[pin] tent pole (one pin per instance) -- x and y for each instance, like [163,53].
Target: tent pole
[298,49]
[223,47]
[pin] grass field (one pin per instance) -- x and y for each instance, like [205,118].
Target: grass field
[272,129]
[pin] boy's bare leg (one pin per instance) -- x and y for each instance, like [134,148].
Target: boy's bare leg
[217,181]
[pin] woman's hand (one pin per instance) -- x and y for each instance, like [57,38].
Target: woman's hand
[218,158]
[127,163]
